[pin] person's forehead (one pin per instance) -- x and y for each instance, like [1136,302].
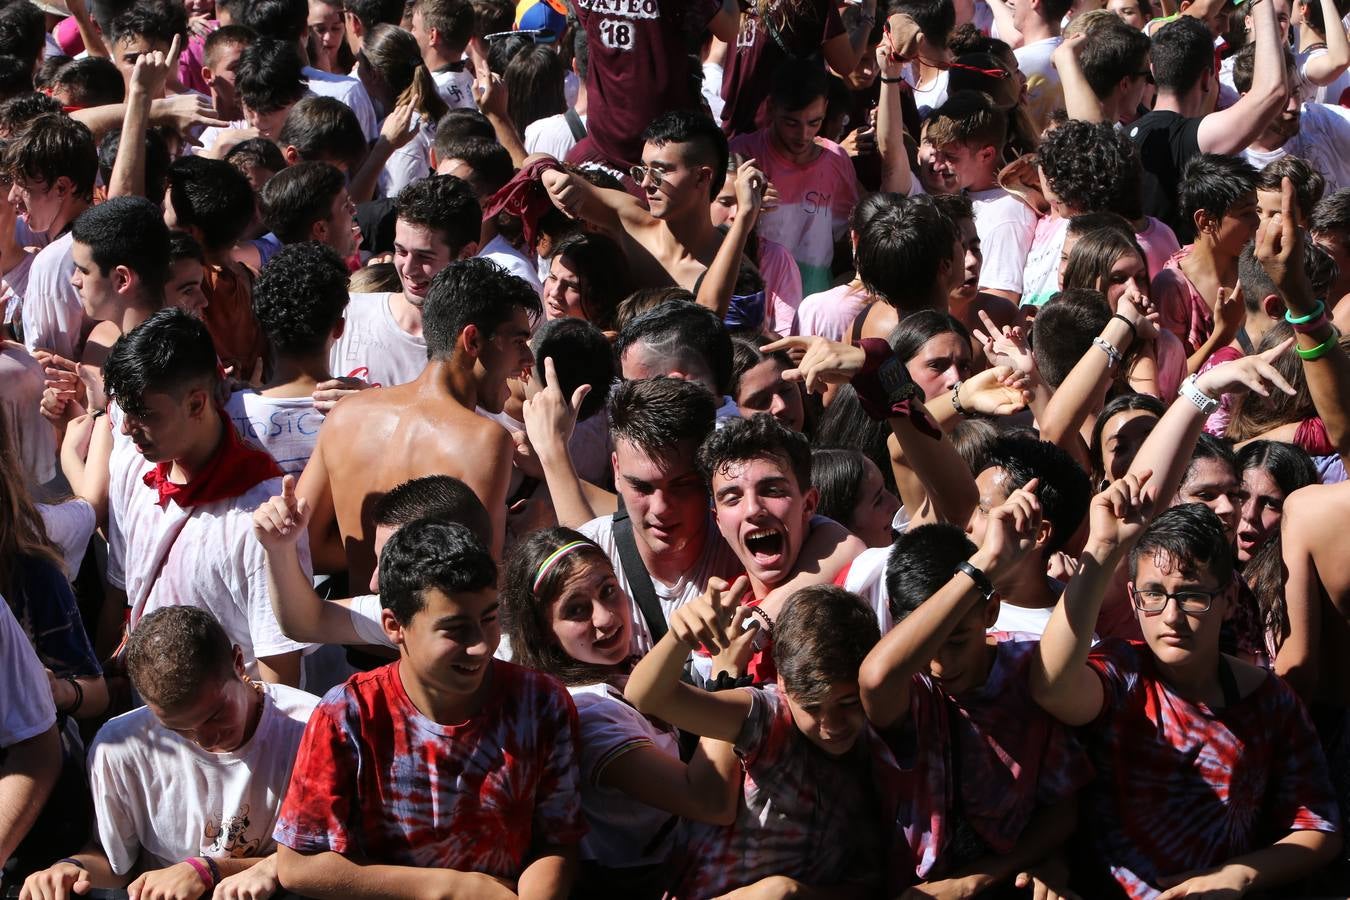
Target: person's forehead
[747,472]
[460,604]
[675,461]
[1209,471]
[1159,566]
[417,237]
[669,153]
[994,482]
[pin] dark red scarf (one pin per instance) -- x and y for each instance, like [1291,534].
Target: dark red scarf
[236,467]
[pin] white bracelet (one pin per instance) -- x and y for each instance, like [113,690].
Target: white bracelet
[1113,355]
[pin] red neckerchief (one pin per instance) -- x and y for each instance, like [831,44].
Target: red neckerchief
[234,469]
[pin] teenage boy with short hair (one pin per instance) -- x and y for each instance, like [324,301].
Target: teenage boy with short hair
[52,163]
[994,775]
[1038,21]
[308,202]
[477,321]
[187,788]
[1177,128]
[269,82]
[1218,196]
[183,485]
[443,29]
[213,201]
[437,221]
[967,134]
[298,299]
[814,177]
[1187,741]
[818,809]
[484,752]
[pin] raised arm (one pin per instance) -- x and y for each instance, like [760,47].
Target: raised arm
[490,92]
[896,174]
[1061,680]
[655,687]
[719,283]
[844,51]
[1229,131]
[1279,247]
[607,209]
[1298,658]
[1080,100]
[302,614]
[1326,68]
[1166,452]
[147,80]
[887,672]
[549,421]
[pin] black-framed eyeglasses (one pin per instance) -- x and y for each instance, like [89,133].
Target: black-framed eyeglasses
[1191,601]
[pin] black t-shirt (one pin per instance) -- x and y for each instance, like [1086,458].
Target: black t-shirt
[1166,142]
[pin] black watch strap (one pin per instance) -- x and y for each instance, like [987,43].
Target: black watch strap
[982,582]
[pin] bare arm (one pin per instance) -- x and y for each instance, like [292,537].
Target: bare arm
[726,24]
[655,687]
[281,669]
[1298,657]
[706,789]
[549,877]
[606,209]
[1061,681]
[1072,402]
[1294,856]
[844,51]
[27,777]
[719,283]
[147,80]
[1080,100]
[1327,67]
[398,129]
[331,876]
[946,489]
[1231,130]
[896,174]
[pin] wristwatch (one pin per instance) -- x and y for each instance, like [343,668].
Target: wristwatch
[1203,402]
[883,383]
[982,582]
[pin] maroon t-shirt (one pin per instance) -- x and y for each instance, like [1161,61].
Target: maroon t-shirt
[761,46]
[640,67]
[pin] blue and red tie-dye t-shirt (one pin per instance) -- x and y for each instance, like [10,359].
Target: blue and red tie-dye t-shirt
[982,762]
[1181,787]
[377,781]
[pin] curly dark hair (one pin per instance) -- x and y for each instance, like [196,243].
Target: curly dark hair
[445,204]
[156,20]
[759,437]
[429,554]
[299,296]
[1091,166]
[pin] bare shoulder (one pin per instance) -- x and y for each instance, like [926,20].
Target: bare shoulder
[1313,507]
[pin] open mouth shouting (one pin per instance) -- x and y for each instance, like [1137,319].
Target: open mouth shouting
[765,547]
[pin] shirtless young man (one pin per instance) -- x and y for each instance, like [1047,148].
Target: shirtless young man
[476,322]
[684,163]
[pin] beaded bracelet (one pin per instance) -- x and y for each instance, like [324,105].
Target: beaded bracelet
[1319,308]
[956,401]
[1112,354]
[1311,353]
[199,866]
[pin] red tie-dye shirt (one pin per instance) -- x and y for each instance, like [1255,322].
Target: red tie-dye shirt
[378,782]
[1181,787]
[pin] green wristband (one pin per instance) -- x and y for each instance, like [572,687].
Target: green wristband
[1311,353]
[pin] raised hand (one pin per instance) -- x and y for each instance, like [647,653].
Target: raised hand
[751,184]
[1250,373]
[281,520]
[1000,391]
[182,112]
[561,190]
[399,126]
[550,416]
[1230,312]
[1279,249]
[489,92]
[706,621]
[1011,530]
[1118,515]
[1006,345]
[1140,312]
[889,63]
[152,70]
[823,361]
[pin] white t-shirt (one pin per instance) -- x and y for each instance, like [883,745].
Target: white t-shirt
[500,251]
[1040,275]
[157,793]
[52,314]
[712,89]
[1335,93]
[621,828]
[350,91]
[455,88]
[551,135]
[927,98]
[1005,226]
[26,709]
[408,163]
[1022,619]
[21,385]
[372,340]
[716,561]
[1323,140]
[866,577]
[286,427]
[70,525]
[1044,91]
[204,556]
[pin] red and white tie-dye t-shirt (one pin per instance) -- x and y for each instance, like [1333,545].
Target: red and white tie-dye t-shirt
[983,762]
[1181,787]
[376,780]
[805,814]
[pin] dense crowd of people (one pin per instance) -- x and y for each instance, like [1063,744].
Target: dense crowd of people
[674,449]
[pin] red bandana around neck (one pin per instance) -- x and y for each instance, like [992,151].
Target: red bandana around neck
[236,467]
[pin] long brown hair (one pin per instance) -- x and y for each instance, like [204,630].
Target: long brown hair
[527,613]
[393,53]
[1254,415]
[22,531]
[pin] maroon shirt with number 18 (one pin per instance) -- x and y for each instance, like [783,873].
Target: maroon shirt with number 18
[640,67]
